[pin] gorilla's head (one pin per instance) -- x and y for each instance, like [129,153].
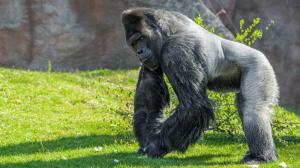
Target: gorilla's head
[143,35]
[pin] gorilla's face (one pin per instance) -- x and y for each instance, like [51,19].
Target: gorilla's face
[143,37]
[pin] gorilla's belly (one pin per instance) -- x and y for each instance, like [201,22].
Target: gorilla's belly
[227,80]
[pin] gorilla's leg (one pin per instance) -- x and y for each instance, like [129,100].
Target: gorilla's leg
[257,128]
[239,104]
[151,97]
[258,94]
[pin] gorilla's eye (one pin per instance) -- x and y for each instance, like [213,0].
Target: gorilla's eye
[141,38]
[138,40]
[134,44]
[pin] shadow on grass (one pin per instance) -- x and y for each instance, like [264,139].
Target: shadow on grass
[127,159]
[221,139]
[65,143]
[86,141]
[293,139]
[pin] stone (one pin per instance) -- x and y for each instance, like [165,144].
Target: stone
[15,34]
[75,34]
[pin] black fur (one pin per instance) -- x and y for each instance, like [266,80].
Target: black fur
[186,71]
[151,97]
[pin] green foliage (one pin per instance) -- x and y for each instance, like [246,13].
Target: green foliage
[250,34]
[199,20]
[229,122]
[227,118]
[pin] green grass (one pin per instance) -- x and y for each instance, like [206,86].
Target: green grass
[57,120]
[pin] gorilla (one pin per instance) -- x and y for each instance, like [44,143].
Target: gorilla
[194,60]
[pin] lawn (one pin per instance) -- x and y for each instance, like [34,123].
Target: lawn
[84,119]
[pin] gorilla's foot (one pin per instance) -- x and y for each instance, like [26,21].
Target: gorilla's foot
[154,151]
[155,148]
[251,158]
[141,151]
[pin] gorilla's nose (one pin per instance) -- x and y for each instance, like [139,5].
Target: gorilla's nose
[140,51]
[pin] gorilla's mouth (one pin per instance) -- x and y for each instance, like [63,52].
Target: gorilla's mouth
[144,54]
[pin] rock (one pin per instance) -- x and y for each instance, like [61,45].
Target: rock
[79,35]
[74,34]
[191,8]
[15,34]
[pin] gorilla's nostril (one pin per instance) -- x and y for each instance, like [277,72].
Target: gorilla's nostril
[140,52]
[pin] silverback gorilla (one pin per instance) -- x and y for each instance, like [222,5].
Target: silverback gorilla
[194,60]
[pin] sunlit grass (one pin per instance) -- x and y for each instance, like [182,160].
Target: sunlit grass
[57,120]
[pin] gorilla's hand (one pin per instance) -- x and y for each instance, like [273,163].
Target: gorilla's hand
[156,148]
[141,151]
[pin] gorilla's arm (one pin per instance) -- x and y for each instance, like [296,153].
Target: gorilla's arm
[151,97]
[194,111]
